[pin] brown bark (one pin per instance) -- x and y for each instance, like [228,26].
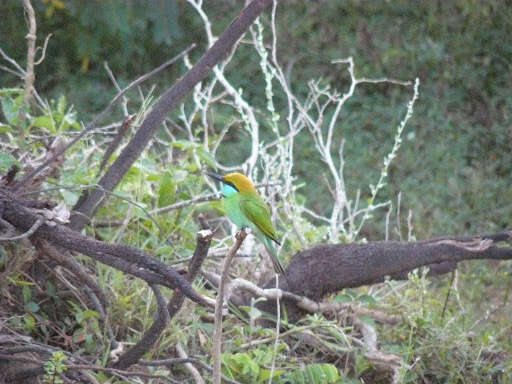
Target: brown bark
[128,259]
[325,269]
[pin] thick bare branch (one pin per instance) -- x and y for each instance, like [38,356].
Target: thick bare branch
[115,255]
[324,269]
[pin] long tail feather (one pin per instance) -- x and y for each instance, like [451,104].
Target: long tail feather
[278,267]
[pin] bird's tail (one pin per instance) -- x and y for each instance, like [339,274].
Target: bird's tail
[278,267]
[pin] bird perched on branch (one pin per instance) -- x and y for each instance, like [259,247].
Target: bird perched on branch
[246,209]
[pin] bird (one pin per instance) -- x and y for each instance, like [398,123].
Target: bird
[246,209]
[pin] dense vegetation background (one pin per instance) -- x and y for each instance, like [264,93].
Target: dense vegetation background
[453,173]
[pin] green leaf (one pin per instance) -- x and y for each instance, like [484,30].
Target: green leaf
[44,121]
[184,144]
[22,282]
[206,157]
[343,297]
[366,299]
[166,190]
[367,320]
[314,374]
[10,109]
[254,313]
[70,197]
[179,175]
[61,105]
[29,321]
[32,307]
[5,128]
[27,295]
[6,161]
[265,374]
[89,313]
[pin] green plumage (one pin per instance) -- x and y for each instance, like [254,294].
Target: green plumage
[248,209]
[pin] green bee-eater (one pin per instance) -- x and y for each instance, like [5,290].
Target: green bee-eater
[246,209]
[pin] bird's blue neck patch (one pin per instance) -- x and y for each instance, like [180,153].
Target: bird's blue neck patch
[228,190]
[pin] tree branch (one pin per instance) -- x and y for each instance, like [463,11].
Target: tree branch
[134,354]
[115,255]
[31,51]
[324,269]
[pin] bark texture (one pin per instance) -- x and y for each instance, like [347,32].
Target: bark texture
[325,269]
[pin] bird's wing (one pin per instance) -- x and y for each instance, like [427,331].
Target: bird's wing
[255,209]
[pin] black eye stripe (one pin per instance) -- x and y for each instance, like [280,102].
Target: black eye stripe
[231,184]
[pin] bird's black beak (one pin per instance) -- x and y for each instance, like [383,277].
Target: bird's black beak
[215,176]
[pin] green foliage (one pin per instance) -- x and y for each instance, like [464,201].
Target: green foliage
[314,374]
[53,367]
[12,105]
[7,161]
[250,367]
[57,118]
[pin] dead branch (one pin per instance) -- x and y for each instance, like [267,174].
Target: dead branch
[382,360]
[134,354]
[123,257]
[75,267]
[308,305]
[91,367]
[170,362]
[31,51]
[198,379]
[168,101]
[116,141]
[324,269]
[39,221]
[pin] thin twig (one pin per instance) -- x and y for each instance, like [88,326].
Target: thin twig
[114,81]
[116,141]
[6,69]
[185,203]
[450,287]
[219,303]
[28,233]
[193,360]
[21,72]
[303,302]
[189,366]
[278,326]
[31,51]
[198,199]
[43,49]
